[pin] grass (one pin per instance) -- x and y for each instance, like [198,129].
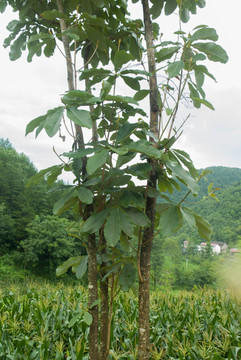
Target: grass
[43,321]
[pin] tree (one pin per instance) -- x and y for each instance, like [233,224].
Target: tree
[113,211]
[48,244]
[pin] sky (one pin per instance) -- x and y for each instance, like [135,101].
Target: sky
[212,138]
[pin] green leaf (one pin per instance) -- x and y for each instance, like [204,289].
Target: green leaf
[106,87]
[113,227]
[156,8]
[126,225]
[85,195]
[194,94]
[170,7]
[81,268]
[145,148]
[80,117]
[80,153]
[41,175]
[53,14]
[73,261]
[53,120]
[35,123]
[120,58]
[87,73]
[87,318]
[205,33]
[170,220]
[132,198]
[184,14]
[11,26]
[95,221]
[121,99]
[96,161]
[175,68]
[213,51]
[166,53]
[203,226]
[96,37]
[133,83]
[184,177]
[188,215]
[125,131]
[204,102]
[68,198]
[137,217]
[141,94]
[127,277]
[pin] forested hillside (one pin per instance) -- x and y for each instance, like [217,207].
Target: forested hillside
[225,214]
[31,237]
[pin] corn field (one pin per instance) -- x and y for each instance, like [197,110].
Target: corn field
[45,322]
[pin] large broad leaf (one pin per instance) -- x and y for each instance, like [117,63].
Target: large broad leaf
[87,73]
[126,225]
[132,198]
[96,161]
[53,14]
[73,261]
[113,227]
[42,173]
[87,318]
[81,268]
[137,217]
[213,51]
[127,277]
[205,33]
[85,195]
[170,7]
[133,83]
[95,221]
[53,120]
[175,68]
[145,148]
[141,94]
[188,215]
[166,53]
[121,57]
[194,94]
[203,226]
[68,198]
[204,102]
[35,123]
[184,177]
[96,37]
[170,220]
[80,117]
[125,131]
[121,99]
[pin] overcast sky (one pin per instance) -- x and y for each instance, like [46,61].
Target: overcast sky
[211,137]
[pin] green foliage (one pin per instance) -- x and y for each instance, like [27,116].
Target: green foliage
[48,244]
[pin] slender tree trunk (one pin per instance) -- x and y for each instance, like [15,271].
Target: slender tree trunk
[146,246]
[93,296]
[70,70]
[104,311]
[91,244]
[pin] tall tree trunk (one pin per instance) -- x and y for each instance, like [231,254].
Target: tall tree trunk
[93,296]
[104,311]
[91,244]
[70,70]
[146,246]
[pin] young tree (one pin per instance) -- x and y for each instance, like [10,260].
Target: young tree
[117,217]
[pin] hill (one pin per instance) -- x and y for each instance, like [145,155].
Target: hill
[224,215]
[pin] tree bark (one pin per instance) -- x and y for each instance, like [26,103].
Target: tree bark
[104,311]
[146,246]
[93,296]
[70,70]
